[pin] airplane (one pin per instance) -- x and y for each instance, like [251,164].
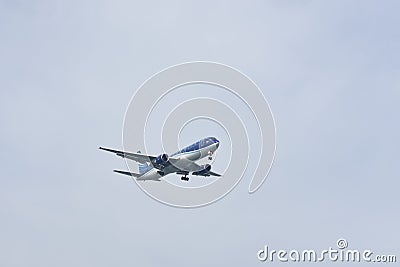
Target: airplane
[182,162]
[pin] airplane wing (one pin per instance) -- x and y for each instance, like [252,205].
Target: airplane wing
[206,173]
[214,174]
[133,156]
[186,165]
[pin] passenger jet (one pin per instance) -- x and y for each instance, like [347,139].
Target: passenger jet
[182,162]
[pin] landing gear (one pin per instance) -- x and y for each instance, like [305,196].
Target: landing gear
[184,177]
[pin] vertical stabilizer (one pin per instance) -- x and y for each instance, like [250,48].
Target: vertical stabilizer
[142,167]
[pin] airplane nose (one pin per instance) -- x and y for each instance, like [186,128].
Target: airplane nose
[217,144]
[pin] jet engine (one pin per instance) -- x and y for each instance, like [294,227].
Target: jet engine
[161,159]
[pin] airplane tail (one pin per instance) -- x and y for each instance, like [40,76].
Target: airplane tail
[142,167]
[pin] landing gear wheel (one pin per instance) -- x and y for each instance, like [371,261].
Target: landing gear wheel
[185,178]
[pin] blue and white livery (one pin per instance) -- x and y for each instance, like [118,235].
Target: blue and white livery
[182,162]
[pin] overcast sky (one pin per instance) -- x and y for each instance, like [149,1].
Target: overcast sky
[329,69]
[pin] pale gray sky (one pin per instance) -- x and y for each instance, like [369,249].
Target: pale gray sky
[329,69]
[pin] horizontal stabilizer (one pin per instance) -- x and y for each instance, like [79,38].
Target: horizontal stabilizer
[128,173]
